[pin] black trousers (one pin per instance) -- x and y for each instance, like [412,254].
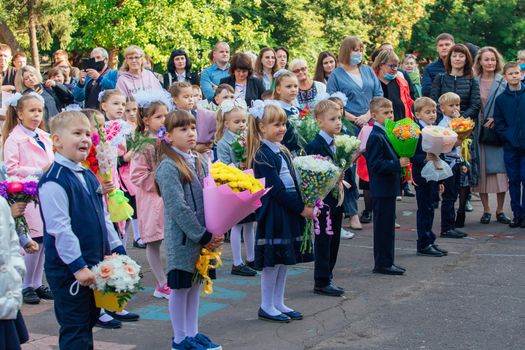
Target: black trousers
[425,214]
[449,198]
[326,247]
[76,314]
[384,210]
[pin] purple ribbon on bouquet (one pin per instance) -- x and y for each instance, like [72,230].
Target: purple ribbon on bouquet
[319,204]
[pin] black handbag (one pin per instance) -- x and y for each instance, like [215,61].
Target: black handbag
[489,136]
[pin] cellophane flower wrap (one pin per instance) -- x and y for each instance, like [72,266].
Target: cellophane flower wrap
[117,274]
[463,126]
[230,195]
[106,154]
[305,127]
[24,190]
[403,135]
[437,140]
[317,177]
[345,149]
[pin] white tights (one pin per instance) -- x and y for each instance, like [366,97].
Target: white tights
[155,262]
[249,242]
[184,312]
[273,283]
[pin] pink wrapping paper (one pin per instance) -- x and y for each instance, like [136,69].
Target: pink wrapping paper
[224,208]
[363,136]
[437,144]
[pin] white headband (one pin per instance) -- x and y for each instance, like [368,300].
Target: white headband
[229,105]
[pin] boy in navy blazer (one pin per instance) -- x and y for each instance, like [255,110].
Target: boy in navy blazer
[426,113]
[384,169]
[326,246]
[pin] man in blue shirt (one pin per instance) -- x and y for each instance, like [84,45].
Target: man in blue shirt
[444,42]
[211,76]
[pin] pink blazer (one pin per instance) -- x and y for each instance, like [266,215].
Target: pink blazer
[150,208]
[24,157]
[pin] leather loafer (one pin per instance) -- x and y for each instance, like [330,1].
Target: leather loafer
[399,267]
[129,317]
[460,232]
[329,290]
[281,318]
[294,315]
[44,293]
[429,251]
[112,324]
[29,296]
[516,222]
[366,217]
[243,270]
[439,249]
[338,288]
[392,270]
[502,218]
[140,245]
[451,234]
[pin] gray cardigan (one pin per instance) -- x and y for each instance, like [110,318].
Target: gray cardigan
[224,148]
[184,228]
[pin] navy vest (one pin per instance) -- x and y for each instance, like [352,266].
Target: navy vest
[87,217]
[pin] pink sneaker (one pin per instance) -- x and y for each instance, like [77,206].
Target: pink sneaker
[162,292]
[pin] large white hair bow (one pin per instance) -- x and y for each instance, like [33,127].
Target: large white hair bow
[13,100]
[228,105]
[257,109]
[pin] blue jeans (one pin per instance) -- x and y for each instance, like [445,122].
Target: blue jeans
[515,165]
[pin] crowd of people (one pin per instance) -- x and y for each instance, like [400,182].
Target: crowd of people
[182,120]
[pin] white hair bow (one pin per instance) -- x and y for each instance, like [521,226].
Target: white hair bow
[229,105]
[257,109]
[13,101]
[337,94]
[145,98]
[279,72]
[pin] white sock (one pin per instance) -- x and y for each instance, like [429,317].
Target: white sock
[39,268]
[155,262]
[192,311]
[125,235]
[136,230]
[178,311]
[104,317]
[280,285]
[235,242]
[268,281]
[249,240]
[122,313]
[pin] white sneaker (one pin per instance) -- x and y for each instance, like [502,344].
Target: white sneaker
[347,234]
[399,198]
[162,292]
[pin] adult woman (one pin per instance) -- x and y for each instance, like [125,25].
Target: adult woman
[281,55]
[492,178]
[241,79]
[133,77]
[265,67]
[56,96]
[360,84]
[458,79]
[309,90]
[179,69]
[326,64]
[356,80]
[394,85]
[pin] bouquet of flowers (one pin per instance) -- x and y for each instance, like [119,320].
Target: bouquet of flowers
[231,192]
[239,147]
[106,155]
[345,149]
[317,177]
[117,131]
[208,260]
[15,190]
[403,135]
[117,279]
[437,140]
[305,126]
[463,126]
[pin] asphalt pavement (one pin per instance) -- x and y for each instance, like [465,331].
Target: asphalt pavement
[472,299]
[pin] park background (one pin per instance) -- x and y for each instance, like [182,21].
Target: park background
[305,27]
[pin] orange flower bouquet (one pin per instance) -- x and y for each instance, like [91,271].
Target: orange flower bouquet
[463,126]
[403,135]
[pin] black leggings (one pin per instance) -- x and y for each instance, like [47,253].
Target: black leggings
[464,193]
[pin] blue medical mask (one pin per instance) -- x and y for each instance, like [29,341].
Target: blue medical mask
[356,58]
[522,66]
[390,76]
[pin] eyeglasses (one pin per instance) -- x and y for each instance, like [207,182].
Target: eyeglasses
[298,70]
[393,66]
[134,58]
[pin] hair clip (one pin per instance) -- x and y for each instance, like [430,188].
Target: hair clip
[162,135]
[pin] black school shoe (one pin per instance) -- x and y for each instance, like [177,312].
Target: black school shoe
[439,249]
[392,270]
[366,217]
[44,293]
[485,218]
[129,317]
[452,234]
[330,290]
[430,251]
[140,245]
[282,318]
[243,270]
[29,296]
[112,324]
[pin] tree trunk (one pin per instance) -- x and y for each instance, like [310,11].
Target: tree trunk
[32,34]
[113,58]
[7,36]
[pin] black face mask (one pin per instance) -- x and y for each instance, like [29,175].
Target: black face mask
[98,66]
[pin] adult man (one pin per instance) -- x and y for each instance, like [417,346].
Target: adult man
[7,73]
[93,81]
[444,42]
[212,75]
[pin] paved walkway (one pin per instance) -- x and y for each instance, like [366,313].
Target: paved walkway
[472,299]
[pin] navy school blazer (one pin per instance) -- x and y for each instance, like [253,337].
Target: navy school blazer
[383,165]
